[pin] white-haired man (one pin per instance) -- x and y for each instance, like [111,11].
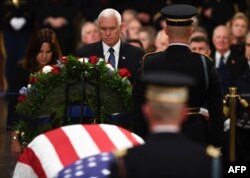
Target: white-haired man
[118,53]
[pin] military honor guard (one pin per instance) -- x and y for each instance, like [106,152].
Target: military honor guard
[166,152]
[178,57]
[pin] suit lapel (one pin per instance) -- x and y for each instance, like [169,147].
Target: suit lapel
[122,55]
[99,49]
[231,60]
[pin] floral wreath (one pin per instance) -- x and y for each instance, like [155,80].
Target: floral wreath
[45,93]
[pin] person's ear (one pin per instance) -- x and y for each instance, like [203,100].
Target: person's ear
[191,30]
[122,26]
[166,30]
[208,51]
[183,114]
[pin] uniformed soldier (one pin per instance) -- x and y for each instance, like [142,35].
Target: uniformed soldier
[166,152]
[179,58]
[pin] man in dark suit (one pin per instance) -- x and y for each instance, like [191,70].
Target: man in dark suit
[123,55]
[166,152]
[230,64]
[178,57]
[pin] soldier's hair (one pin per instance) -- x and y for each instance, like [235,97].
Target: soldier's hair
[165,111]
[199,39]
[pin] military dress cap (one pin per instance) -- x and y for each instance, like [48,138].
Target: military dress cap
[167,87]
[179,14]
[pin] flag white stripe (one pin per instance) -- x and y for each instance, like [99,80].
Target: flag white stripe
[47,155]
[139,139]
[83,144]
[23,170]
[118,138]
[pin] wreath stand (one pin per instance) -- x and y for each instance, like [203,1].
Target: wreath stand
[80,114]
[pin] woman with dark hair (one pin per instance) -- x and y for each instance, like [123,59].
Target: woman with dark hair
[43,49]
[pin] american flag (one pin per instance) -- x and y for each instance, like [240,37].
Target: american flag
[97,166]
[50,152]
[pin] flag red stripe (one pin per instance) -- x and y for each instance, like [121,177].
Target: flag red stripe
[129,136]
[29,157]
[100,138]
[64,148]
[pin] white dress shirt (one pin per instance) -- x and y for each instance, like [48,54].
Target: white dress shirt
[116,48]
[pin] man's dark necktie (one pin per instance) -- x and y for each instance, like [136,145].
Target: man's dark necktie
[221,62]
[111,58]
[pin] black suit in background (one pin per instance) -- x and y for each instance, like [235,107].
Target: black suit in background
[235,67]
[66,9]
[167,155]
[179,58]
[19,79]
[129,57]
[90,9]
[15,39]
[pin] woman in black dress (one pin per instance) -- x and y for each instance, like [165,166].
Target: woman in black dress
[43,49]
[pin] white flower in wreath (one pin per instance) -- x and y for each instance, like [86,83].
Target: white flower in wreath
[86,60]
[100,61]
[110,68]
[29,86]
[47,69]
[60,64]
[126,81]
[23,91]
[81,60]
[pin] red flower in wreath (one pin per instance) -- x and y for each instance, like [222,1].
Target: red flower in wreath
[33,80]
[22,98]
[55,70]
[124,72]
[64,59]
[93,60]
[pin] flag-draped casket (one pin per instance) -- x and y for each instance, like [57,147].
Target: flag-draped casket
[50,152]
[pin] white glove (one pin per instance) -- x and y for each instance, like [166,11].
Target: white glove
[17,23]
[204,112]
[227,125]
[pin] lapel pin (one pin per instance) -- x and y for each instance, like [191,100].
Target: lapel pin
[123,57]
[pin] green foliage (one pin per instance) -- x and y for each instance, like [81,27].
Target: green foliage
[46,93]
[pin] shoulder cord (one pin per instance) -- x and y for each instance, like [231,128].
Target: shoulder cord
[205,71]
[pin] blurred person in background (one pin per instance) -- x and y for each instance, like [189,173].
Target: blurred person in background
[200,44]
[136,43]
[3,84]
[127,16]
[59,16]
[161,41]
[89,33]
[247,51]
[199,31]
[230,64]
[43,49]
[90,9]
[133,28]
[219,12]
[239,26]
[17,25]
[147,37]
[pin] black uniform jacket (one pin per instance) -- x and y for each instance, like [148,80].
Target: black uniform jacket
[206,93]
[166,155]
